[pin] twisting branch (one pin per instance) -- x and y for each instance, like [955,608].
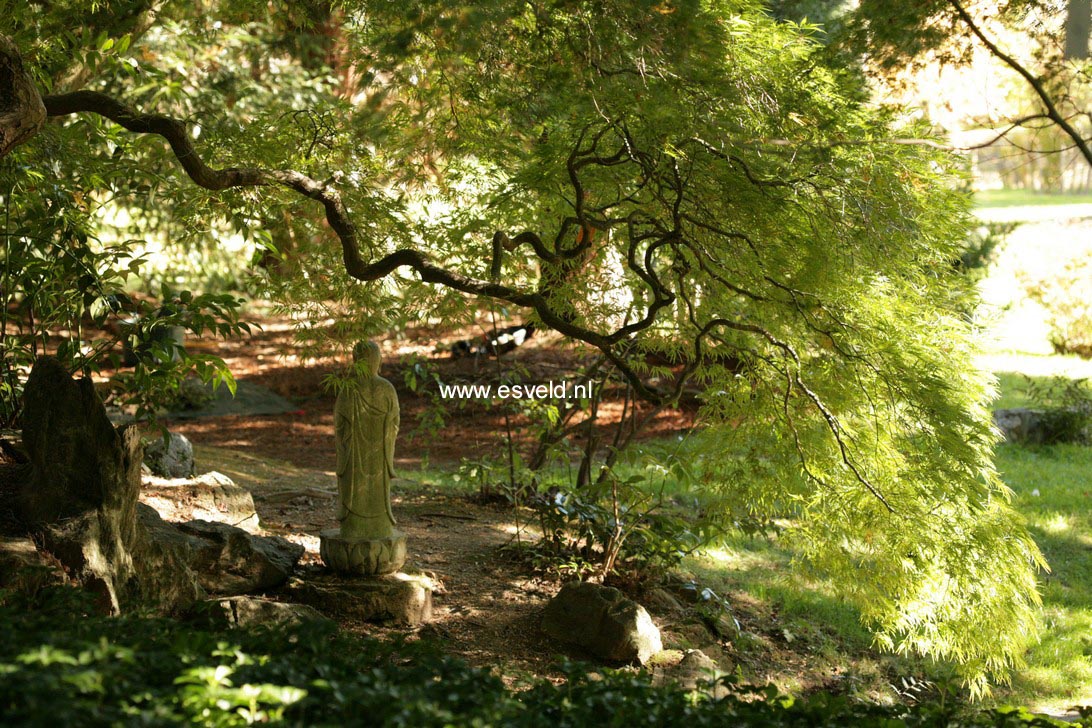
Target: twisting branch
[1035,82]
[337,215]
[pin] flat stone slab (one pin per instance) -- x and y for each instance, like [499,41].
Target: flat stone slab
[247,611]
[400,598]
[250,399]
[362,556]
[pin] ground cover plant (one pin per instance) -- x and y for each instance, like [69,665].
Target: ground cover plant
[137,670]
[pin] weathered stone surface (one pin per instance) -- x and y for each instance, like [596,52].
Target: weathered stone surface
[247,611]
[231,561]
[1038,427]
[23,568]
[695,671]
[402,598]
[363,556]
[80,491]
[162,557]
[723,624]
[1020,424]
[172,458]
[661,601]
[210,496]
[602,621]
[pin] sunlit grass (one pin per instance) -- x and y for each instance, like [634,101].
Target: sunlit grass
[1053,490]
[1020,198]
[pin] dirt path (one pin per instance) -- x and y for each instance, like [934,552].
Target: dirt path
[488,608]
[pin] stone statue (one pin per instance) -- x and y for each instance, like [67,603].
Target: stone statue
[365,428]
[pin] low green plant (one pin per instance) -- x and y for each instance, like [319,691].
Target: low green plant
[61,664]
[1065,405]
[1067,297]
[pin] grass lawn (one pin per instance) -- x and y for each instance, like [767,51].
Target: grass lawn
[1023,198]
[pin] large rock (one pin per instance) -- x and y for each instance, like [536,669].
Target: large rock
[602,621]
[163,556]
[230,561]
[209,497]
[80,492]
[402,598]
[171,457]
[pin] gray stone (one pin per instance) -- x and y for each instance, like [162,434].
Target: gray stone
[248,611]
[211,496]
[22,112]
[230,561]
[1038,427]
[724,625]
[696,671]
[363,556]
[402,598]
[1020,424]
[162,557]
[80,490]
[602,621]
[172,458]
[661,601]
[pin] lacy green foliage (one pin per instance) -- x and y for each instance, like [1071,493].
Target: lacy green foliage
[62,664]
[1067,297]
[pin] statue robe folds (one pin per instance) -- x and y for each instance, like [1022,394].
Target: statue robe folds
[365,429]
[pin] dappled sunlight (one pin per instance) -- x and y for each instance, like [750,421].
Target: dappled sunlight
[1056,523]
[724,557]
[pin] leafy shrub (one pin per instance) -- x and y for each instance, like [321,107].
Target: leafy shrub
[1067,298]
[1066,406]
[61,664]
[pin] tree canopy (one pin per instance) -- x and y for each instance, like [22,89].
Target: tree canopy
[688,179]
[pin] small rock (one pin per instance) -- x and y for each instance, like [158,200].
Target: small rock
[231,561]
[692,634]
[661,601]
[724,625]
[603,621]
[246,611]
[170,459]
[695,671]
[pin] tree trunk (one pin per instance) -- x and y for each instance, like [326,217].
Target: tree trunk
[21,110]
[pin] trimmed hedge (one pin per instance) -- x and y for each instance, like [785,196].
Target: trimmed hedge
[61,664]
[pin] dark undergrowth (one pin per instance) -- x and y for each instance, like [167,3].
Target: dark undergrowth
[62,664]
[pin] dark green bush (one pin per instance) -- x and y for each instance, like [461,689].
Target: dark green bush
[61,665]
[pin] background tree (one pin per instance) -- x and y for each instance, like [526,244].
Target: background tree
[698,164]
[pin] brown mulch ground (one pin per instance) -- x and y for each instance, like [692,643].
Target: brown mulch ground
[472,430]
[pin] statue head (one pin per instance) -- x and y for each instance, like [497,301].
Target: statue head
[366,355]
